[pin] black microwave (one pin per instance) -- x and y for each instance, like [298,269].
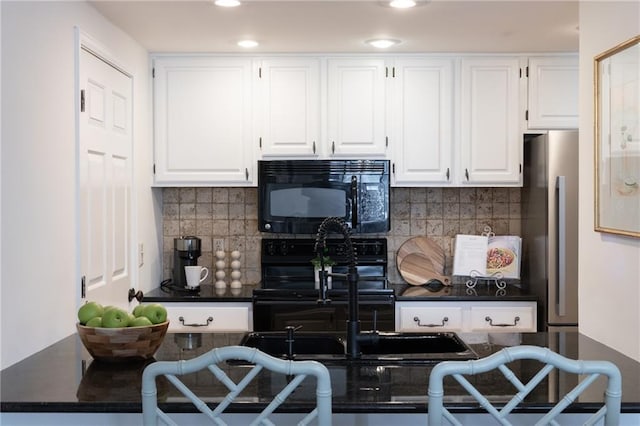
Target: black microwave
[295,196]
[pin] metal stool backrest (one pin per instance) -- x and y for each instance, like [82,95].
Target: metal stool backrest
[151,414]
[612,396]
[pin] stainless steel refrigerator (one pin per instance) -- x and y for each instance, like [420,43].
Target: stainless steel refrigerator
[549,214]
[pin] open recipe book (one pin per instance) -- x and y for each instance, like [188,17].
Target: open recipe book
[487,255]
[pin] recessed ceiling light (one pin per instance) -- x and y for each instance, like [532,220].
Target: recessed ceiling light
[247,43]
[402,4]
[227,3]
[382,43]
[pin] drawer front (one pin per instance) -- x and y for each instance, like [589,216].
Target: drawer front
[497,319]
[428,319]
[209,319]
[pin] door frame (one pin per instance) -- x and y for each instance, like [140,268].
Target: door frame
[83,40]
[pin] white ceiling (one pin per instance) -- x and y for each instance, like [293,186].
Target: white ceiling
[343,26]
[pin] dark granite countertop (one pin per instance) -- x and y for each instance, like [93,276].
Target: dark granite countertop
[206,293]
[64,378]
[403,292]
[460,292]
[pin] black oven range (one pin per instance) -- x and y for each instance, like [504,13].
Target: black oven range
[288,294]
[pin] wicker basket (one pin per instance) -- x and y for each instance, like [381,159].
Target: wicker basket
[121,344]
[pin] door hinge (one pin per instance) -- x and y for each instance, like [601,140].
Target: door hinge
[82,100]
[153,73]
[526,115]
[393,168]
[527,71]
[83,287]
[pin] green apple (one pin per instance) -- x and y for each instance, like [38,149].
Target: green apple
[89,310]
[155,312]
[131,319]
[140,322]
[94,322]
[137,311]
[115,318]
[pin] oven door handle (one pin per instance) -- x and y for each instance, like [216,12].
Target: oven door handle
[291,302]
[354,202]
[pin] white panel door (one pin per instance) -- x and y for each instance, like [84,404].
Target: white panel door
[289,99]
[491,141]
[356,117]
[553,92]
[105,148]
[202,121]
[423,122]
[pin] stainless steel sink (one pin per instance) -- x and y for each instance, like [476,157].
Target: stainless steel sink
[387,348]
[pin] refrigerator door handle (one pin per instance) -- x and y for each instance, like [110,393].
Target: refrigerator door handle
[561,185]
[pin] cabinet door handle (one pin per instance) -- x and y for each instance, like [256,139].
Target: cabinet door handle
[333,147]
[314,147]
[209,320]
[490,321]
[246,173]
[444,321]
[447,173]
[466,173]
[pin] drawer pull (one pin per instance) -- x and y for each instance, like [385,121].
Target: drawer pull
[209,320]
[444,321]
[490,321]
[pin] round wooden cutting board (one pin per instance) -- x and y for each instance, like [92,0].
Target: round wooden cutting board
[424,246]
[417,269]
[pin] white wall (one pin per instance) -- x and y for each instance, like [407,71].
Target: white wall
[609,266]
[39,286]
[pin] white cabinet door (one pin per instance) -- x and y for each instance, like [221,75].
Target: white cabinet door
[491,141]
[502,319]
[422,122]
[356,109]
[553,92]
[416,318]
[202,120]
[209,317]
[487,316]
[289,106]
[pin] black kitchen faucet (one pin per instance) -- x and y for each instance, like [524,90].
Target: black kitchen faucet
[354,337]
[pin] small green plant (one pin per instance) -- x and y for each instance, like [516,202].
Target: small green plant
[325,259]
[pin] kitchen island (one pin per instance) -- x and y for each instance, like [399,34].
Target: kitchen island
[63,378]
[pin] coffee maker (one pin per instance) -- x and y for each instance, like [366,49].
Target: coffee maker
[186,251]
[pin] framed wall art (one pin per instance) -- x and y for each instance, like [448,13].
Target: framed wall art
[617,134]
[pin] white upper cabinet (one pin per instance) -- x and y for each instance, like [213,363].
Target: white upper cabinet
[422,121]
[356,107]
[288,115]
[202,121]
[490,136]
[553,92]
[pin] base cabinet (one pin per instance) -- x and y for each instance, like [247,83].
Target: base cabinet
[489,316]
[209,317]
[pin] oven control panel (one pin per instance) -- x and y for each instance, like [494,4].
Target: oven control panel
[302,250]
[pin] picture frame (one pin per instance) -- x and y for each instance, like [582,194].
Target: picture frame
[617,139]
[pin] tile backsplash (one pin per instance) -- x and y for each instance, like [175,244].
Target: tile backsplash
[231,214]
